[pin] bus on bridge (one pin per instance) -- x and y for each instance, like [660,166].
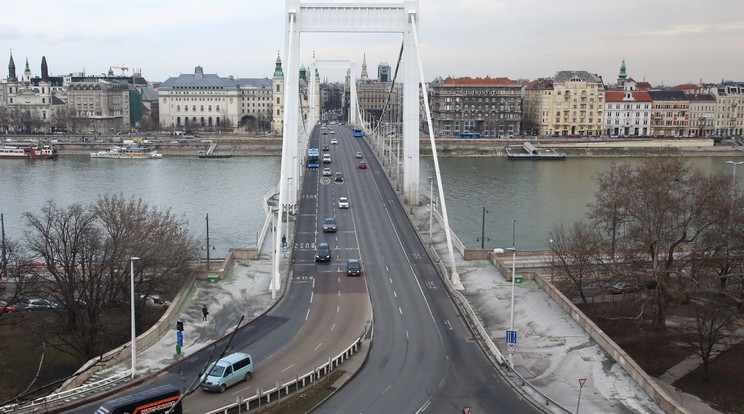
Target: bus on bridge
[358,132]
[312,158]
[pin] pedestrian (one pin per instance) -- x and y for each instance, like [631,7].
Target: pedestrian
[205,312]
[284,240]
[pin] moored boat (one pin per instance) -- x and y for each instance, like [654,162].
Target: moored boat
[127,153]
[27,151]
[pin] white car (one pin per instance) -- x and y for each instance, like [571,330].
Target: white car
[334,141]
[343,202]
[326,171]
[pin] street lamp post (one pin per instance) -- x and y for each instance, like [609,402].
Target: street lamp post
[431,205]
[733,177]
[131,301]
[514,264]
[275,252]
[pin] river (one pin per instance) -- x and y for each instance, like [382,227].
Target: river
[537,194]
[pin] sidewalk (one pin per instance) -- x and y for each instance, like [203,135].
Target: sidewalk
[552,352]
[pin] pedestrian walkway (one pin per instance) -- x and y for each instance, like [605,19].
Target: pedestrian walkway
[552,352]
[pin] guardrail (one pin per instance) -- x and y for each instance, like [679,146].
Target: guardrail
[274,395]
[53,399]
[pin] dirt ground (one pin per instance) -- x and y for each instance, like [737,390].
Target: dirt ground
[656,352]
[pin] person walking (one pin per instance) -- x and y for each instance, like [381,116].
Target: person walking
[205,312]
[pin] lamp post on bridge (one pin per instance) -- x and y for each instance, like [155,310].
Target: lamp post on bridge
[131,302]
[431,205]
[511,335]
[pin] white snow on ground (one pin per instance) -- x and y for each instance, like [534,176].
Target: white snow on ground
[552,350]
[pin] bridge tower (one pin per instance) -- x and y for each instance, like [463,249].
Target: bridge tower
[351,18]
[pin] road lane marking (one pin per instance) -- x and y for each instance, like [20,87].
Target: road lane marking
[448,324]
[307,314]
[285,369]
[319,345]
[400,310]
[311,296]
[333,327]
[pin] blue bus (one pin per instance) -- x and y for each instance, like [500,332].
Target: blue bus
[358,132]
[469,135]
[312,158]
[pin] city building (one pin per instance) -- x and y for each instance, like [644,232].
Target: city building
[100,105]
[729,117]
[670,113]
[627,113]
[374,95]
[490,107]
[570,104]
[702,115]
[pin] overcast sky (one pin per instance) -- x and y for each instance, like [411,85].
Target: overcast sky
[662,41]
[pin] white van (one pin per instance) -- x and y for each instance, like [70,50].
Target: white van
[227,372]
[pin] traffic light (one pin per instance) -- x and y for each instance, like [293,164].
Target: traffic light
[179,325]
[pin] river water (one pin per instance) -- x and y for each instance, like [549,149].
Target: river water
[537,194]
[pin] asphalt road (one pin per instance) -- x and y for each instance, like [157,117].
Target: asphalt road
[422,357]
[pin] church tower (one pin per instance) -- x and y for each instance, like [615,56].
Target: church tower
[622,75]
[11,70]
[27,74]
[278,104]
[365,76]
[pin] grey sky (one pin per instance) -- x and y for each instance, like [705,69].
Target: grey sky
[663,41]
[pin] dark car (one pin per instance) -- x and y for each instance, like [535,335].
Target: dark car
[323,253]
[623,287]
[362,165]
[329,225]
[339,177]
[353,268]
[326,148]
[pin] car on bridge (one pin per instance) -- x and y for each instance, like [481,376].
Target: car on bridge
[334,141]
[329,225]
[327,172]
[339,177]
[359,154]
[227,372]
[353,268]
[343,202]
[362,165]
[323,253]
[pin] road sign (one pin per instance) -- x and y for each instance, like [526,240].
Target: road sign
[466,410]
[581,382]
[511,337]
[511,347]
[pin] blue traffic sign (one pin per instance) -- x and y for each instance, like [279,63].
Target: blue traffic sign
[511,337]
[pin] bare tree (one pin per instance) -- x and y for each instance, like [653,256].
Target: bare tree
[63,118]
[714,326]
[87,250]
[577,253]
[664,206]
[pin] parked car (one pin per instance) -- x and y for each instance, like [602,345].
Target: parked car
[339,177]
[353,268]
[362,165]
[323,253]
[329,225]
[5,307]
[343,202]
[41,304]
[623,287]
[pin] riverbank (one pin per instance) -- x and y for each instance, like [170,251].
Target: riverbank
[573,148]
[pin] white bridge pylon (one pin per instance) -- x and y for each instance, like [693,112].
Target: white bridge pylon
[353,18]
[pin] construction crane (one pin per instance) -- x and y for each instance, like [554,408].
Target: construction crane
[122,68]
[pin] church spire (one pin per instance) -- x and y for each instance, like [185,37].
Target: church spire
[365,76]
[11,69]
[622,74]
[278,73]
[44,69]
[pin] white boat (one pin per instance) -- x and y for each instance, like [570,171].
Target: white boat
[127,153]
